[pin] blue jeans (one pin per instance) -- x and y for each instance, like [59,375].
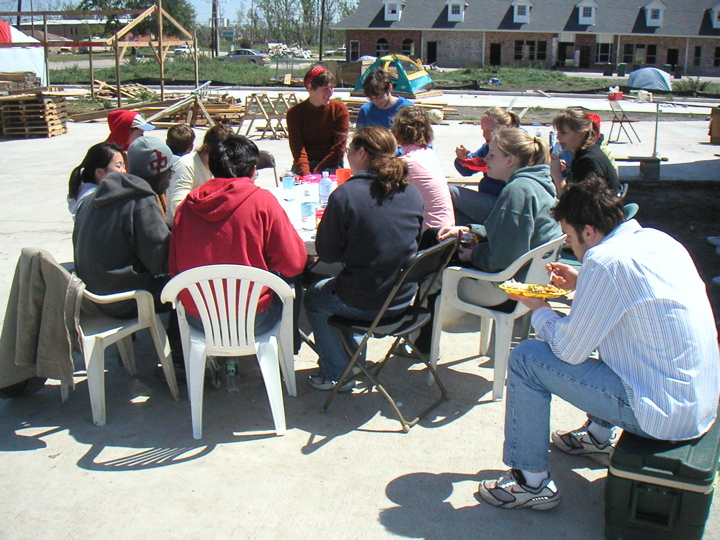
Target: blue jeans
[471,206]
[264,320]
[534,375]
[321,303]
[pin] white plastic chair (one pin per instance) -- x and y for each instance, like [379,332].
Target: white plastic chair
[535,261]
[223,294]
[97,332]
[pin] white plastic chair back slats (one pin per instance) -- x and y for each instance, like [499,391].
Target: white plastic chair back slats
[535,261]
[226,297]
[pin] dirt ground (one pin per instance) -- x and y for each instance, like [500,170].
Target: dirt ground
[689,212]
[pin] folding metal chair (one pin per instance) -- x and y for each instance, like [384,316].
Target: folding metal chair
[620,118]
[424,269]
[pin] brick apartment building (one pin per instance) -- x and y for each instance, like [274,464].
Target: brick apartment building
[594,34]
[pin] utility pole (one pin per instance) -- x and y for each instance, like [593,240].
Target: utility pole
[322,27]
[214,42]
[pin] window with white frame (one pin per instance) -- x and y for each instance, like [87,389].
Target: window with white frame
[715,16]
[530,50]
[382,47]
[521,11]
[697,57]
[716,61]
[393,9]
[456,11]
[654,13]
[586,12]
[354,50]
[603,53]
[408,47]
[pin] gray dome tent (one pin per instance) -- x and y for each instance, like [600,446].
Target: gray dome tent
[650,79]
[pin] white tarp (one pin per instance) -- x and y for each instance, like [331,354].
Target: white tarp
[650,79]
[20,58]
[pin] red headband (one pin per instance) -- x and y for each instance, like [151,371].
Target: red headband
[314,72]
[595,119]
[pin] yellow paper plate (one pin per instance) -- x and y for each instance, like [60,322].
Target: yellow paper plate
[525,289]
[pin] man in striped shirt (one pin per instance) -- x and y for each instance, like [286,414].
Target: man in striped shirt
[642,306]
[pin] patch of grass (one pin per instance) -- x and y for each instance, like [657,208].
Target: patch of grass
[178,69]
[688,84]
[514,78]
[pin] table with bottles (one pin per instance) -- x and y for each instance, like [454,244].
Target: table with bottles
[304,199]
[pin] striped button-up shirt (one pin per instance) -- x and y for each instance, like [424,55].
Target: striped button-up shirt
[641,303]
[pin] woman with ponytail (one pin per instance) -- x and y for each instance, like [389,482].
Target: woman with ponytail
[371,225]
[102,159]
[579,134]
[520,220]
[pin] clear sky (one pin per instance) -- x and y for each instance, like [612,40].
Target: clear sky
[203,8]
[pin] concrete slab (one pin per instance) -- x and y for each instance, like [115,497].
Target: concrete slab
[348,473]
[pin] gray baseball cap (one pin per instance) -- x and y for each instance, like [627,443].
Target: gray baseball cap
[149,156]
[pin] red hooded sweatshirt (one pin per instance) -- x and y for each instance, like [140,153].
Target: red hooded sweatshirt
[120,123]
[232,221]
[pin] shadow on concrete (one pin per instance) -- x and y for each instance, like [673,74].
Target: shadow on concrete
[704,170]
[423,506]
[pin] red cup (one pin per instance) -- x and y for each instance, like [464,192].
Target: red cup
[319,215]
[341,175]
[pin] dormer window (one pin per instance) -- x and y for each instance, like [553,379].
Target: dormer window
[654,13]
[393,9]
[715,16]
[586,12]
[521,11]
[456,10]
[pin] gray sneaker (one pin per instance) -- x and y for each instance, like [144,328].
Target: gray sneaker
[510,491]
[580,442]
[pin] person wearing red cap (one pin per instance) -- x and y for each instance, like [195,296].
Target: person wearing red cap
[318,126]
[126,127]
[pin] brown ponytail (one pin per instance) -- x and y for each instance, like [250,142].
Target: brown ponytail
[381,148]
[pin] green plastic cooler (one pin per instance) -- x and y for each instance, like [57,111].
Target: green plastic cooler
[660,489]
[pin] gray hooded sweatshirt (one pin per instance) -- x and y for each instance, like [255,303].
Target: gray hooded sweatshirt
[121,240]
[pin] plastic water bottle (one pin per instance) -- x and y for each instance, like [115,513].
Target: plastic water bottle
[553,139]
[307,212]
[231,375]
[538,133]
[288,183]
[325,188]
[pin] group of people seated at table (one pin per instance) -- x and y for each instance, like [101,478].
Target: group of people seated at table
[397,202]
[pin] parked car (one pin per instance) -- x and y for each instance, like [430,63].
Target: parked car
[340,51]
[246,56]
[183,50]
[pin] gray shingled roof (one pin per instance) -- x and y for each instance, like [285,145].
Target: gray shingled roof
[681,18]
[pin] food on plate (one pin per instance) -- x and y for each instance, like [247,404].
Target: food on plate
[532,290]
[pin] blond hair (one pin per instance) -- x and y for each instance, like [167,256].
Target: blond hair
[502,117]
[527,149]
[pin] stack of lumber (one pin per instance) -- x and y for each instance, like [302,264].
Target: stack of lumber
[20,80]
[127,90]
[194,111]
[28,116]
[354,103]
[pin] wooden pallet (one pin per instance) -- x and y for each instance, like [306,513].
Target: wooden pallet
[28,116]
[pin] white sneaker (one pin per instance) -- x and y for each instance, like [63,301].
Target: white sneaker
[580,442]
[510,491]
